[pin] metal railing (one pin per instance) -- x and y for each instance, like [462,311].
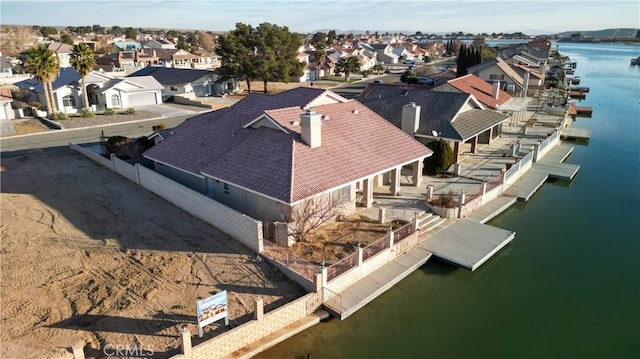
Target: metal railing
[290,260]
[342,266]
[375,247]
[404,231]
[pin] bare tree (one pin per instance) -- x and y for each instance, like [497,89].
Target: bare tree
[314,212]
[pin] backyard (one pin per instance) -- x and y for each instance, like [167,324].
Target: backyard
[89,256]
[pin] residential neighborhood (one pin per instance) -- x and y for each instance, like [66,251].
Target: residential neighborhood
[291,178]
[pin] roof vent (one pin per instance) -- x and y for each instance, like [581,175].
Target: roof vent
[294,123]
[405,93]
[355,111]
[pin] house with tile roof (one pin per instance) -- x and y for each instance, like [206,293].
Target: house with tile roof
[6,112]
[498,70]
[460,118]
[102,91]
[490,95]
[267,155]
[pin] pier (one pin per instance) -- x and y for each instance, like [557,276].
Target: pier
[467,243]
[571,133]
[550,166]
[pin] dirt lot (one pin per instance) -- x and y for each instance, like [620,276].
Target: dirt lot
[88,256]
[336,240]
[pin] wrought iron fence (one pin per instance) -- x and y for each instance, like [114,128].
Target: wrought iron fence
[404,231]
[342,266]
[290,260]
[375,247]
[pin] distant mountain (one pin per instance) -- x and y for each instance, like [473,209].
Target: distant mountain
[607,33]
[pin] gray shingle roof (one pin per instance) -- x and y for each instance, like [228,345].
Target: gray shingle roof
[171,76]
[66,76]
[473,122]
[438,109]
[355,143]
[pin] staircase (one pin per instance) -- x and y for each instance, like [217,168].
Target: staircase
[428,221]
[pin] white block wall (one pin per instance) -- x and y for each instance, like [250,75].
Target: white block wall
[243,228]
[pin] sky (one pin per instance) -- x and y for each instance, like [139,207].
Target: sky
[305,16]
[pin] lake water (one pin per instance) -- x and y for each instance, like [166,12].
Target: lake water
[569,284]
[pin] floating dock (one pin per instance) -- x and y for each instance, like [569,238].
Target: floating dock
[580,88]
[579,95]
[571,133]
[467,243]
[582,111]
[550,166]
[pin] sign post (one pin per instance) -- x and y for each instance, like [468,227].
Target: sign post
[212,309]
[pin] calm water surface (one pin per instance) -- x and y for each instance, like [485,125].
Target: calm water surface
[569,284]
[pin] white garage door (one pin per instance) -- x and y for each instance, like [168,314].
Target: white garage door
[145,98]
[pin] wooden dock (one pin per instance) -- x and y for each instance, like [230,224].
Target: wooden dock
[577,95]
[584,111]
[373,285]
[571,133]
[467,243]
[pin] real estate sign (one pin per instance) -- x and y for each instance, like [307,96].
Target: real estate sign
[212,309]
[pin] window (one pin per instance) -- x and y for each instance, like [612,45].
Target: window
[496,77]
[115,101]
[226,188]
[68,101]
[174,89]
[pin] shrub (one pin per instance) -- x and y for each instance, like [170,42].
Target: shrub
[35,104]
[441,158]
[158,127]
[109,111]
[86,113]
[60,116]
[130,111]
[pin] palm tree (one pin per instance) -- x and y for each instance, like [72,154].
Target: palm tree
[321,53]
[43,63]
[348,65]
[83,61]
[378,68]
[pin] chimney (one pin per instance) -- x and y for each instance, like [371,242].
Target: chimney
[496,89]
[310,123]
[410,118]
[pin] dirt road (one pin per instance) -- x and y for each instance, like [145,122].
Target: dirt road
[88,256]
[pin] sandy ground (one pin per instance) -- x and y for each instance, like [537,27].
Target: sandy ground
[88,256]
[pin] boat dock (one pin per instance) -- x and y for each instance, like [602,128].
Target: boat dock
[491,209]
[578,95]
[468,243]
[550,166]
[571,133]
[367,289]
[582,111]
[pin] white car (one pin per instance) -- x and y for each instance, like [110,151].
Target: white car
[408,62]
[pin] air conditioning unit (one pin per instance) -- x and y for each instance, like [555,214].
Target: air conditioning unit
[511,88]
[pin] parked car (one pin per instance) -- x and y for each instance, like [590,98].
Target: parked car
[408,62]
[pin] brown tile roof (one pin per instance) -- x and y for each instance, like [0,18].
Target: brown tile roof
[356,143]
[480,89]
[5,94]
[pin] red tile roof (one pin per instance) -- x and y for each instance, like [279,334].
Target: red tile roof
[356,143]
[480,89]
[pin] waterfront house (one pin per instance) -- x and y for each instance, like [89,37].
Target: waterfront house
[490,95]
[459,118]
[267,155]
[498,70]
